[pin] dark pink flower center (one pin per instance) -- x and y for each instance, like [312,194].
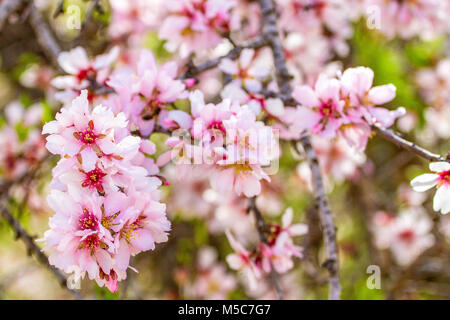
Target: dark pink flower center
[94,179]
[444,177]
[87,221]
[274,232]
[407,236]
[85,73]
[217,125]
[91,242]
[87,136]
[328,110]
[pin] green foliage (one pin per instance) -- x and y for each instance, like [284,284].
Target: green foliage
[387,59]
[156,45]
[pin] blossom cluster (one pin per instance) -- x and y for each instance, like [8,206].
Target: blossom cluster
[106,202]
[229,140]
[346,106]
[196,25]
[406,19]
[20,141]
[276,253]
[82,73]
[407,235]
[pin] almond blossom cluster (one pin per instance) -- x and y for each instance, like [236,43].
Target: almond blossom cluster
[228,139]
[346,106]
[435,84]
[106,203]
[409,18]
[328,20]
[82,73]
[276,253]
[407,235]
[145,93]
[21,144]
[196,25]
[211,281]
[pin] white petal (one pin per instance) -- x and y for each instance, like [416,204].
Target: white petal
[439,166]
[424,182]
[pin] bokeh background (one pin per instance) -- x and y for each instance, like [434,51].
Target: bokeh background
[176,269]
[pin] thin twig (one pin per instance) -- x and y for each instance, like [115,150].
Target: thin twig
[261,226]
[32,248]
[193,70]
[44,36]
[270,32]
[393,137]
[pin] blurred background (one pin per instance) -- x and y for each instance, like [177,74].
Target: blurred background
[365,191]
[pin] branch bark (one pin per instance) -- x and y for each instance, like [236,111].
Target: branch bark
[32,248]
[270,33]
[193,70]
[393,137]
[44,36]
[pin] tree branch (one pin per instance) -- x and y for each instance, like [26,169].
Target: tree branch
[261,227]
[393,137]
[270,32]
[193,70]
[32,248]
[44,36]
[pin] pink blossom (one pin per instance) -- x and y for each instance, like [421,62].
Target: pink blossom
[406,19]
[245,71]
[144,92]
[79,132]
[241,260]
[83,73]
[407,235]
[194,25]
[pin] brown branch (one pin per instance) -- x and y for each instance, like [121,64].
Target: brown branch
[270,33]
[394,137]
[193,70]
[32,248]
[44,35]
[6,8]
[261,227]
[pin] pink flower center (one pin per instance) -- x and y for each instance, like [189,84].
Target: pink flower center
[94,179]
[275,231]
[87,136]
[407,236]
[85,73]
[91,242]
[217,125]
[87,221]
[444,178]
[328,110]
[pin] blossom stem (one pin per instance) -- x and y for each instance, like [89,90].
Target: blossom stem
[270,32]
[394,137]
[193,70]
